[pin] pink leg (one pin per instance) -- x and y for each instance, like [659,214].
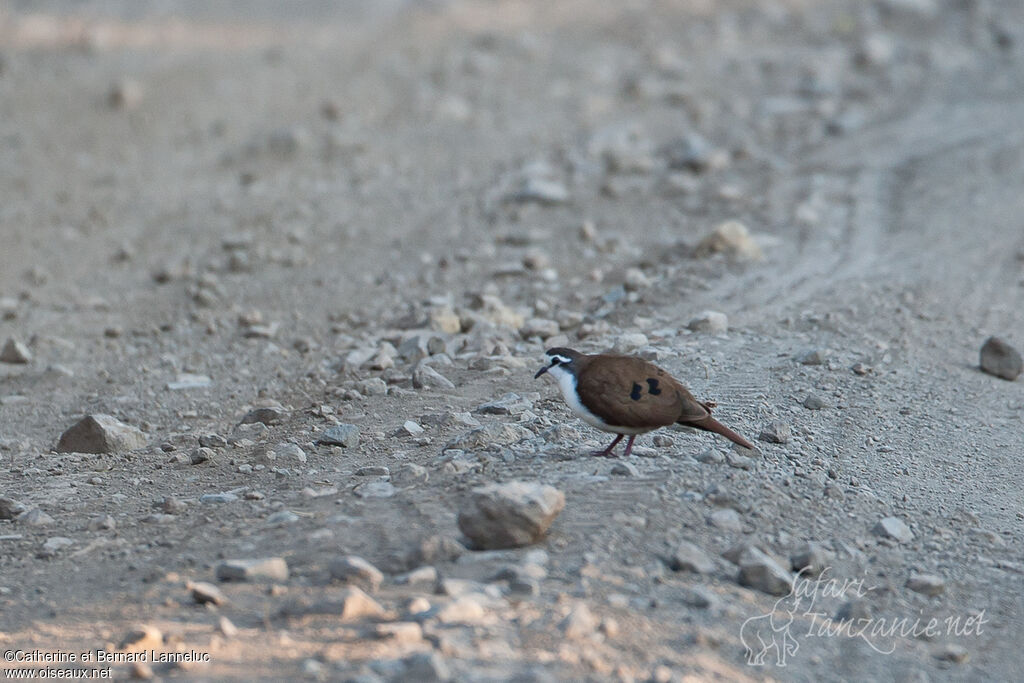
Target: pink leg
[607,453]
[629,445]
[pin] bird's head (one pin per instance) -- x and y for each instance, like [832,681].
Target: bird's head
[559,360]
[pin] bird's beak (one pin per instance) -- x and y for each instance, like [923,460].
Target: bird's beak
[541,371]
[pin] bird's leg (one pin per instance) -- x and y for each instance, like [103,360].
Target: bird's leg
[607,453]
[629,445]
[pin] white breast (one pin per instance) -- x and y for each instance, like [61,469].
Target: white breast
[567,385]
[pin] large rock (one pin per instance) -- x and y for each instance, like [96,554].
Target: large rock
[894,528]
[1000,359]
[100,434]
[345,435]
[264,568]
[761,572]
[15,352]
[510,515]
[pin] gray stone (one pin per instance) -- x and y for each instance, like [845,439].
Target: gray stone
[186,381]
[429,667]
[813,357]
[811,559]
[203,593]
[732,239]
[491,434]
[289,451]
[775,432]
[509,404]
[951,652]
[711,456]
[35,517]
[100,434]
[218,498]
[426,377]
[813,402]
[268,415]
[580,623]
[356,571]
[410,474]
[625,469]
[282,517]
[726,519]
[691,153]
[355,604]
[712,322]
[53,545]
[509,515]
[213,441]
[15,352]
[10,508]
[373,386]
[894,528]
[375,489]
[760,572]
[345,435]
[201,455]
[1000,359]
[373,471]
[264,568]
[689,557]
[927,584]
[542,191]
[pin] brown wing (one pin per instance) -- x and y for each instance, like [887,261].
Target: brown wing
[630,392]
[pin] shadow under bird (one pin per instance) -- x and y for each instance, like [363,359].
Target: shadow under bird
[626,395]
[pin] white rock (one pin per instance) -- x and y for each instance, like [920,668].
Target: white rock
[712,322]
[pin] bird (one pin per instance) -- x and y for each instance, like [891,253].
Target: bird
[626,395]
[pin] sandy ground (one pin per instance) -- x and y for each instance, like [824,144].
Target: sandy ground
[278,201]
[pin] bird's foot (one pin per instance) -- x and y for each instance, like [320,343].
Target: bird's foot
[606,453]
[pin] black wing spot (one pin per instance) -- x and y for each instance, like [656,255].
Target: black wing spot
[637,392]
[653,384]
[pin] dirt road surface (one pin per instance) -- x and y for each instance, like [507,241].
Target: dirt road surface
[381,214]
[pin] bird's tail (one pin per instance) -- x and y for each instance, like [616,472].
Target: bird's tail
[710,424]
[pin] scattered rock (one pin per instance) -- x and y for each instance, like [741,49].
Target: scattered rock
[356,571]
[711,456]
[813,357]
[509,515]
[894,528]
[345,435]
[399,632]
[375,489]
[269,415]
[726,519]
[203,593]
[811,559]
[213,441]
[35,517]
[580,623]
[15,352]
[465,609]
[53,545]
[927,584]
[265,568]
[689,557]
[373,471]
[630,342]
[760,572]
[201,455]
[429,667]
[509,404]
[625,469]
[355,604]
[285,451]
[491,434]
[100,434]
[813,402]
[775,432]
[10,508]
[732,239]
[187,380]
[711,322]
[226,627]
[951,652]
[426,377]
[999,358]
[142,638]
